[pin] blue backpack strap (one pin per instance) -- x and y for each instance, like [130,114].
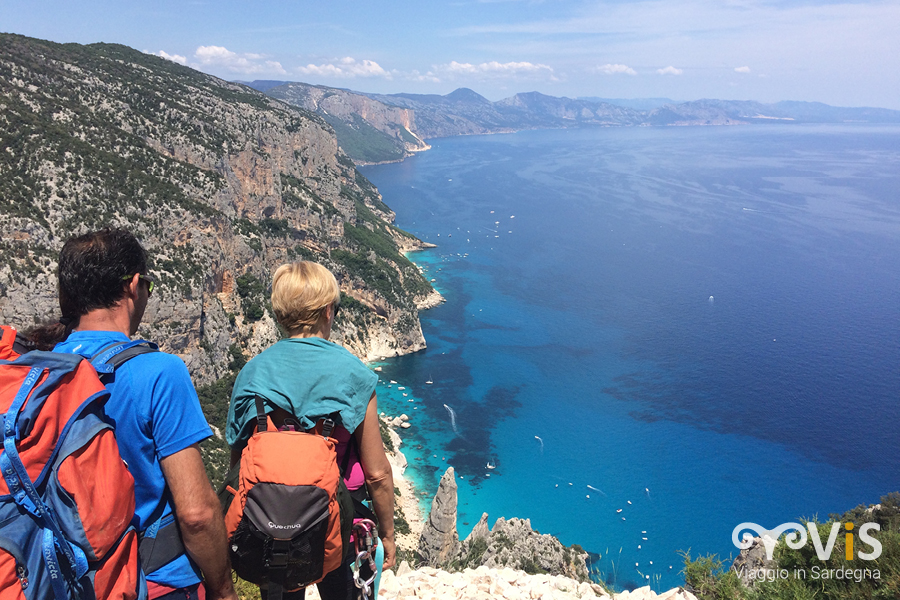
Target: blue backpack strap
[112,357]
[13,470]
[161,542]
[25,495]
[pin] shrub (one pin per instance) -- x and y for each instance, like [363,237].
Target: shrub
[400,523]
[386,437]
[707,578]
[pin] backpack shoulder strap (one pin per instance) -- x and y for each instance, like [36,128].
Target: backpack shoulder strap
[22,345]
[261,421]
[114,356]
[13,344]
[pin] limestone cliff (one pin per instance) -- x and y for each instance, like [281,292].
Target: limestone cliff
[439,544]
[220,182]
[368,130]
[510,543]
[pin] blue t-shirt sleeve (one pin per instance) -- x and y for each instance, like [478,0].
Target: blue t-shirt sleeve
[176,419]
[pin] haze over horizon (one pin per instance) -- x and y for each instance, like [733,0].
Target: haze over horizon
[839,53]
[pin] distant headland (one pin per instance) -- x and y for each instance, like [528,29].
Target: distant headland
[376,128]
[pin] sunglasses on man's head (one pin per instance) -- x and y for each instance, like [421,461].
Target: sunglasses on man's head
[151,283]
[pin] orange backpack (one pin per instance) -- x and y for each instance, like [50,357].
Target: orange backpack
[287,510]
[66,496]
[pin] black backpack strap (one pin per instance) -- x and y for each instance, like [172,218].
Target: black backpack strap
[22,345]
[351,447]
[161,549]
[360,509]
[277,568]
[261,424]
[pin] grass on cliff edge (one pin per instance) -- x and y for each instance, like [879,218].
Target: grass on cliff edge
[709,578]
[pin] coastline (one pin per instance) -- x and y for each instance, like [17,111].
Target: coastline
[406,500]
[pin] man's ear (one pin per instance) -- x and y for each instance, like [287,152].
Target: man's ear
[134,285]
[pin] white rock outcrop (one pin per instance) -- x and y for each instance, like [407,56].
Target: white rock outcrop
[483,583]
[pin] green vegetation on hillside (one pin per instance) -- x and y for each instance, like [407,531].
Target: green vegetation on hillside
[364,143]
[102,173]
[297,194]
[216,179]
[800,574]
[251,290]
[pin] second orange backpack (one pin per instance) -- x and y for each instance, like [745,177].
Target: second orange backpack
[287,510]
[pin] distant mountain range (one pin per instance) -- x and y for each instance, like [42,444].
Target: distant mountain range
[385,127]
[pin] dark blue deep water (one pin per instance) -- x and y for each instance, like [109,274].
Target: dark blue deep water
[696,326]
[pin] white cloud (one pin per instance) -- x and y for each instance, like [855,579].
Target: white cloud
[510,68]
[248,63]
[494,70]
[346,67]
[670,70]
[609,69]
[427,76]
[181,60]
[742,69]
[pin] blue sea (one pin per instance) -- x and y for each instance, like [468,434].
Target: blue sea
[654,334]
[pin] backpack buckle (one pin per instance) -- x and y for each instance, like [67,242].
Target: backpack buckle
[278,557]
[327,427]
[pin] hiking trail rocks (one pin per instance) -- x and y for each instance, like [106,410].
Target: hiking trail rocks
[484,583]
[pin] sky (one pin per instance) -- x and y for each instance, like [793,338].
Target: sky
[839,53]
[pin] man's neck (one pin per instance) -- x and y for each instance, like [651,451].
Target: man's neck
[106,319]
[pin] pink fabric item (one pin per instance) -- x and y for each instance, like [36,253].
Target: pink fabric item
[354,478]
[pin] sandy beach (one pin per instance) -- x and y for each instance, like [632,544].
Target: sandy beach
[406,501]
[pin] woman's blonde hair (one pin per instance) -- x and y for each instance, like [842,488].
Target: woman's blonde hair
[300,293]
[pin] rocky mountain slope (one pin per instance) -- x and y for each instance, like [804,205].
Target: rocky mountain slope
[368,130]
[220,182]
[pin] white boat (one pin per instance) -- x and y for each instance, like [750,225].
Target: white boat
[490,466]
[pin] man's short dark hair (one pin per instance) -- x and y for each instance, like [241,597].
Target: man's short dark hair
[93,267]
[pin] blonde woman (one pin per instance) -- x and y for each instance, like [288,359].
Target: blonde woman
[306,377]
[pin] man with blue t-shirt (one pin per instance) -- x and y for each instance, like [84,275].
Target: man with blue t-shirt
[103,292]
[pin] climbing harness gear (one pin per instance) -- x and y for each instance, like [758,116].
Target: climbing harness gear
[365,542]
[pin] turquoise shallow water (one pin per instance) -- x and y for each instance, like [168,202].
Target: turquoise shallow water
[701,324]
